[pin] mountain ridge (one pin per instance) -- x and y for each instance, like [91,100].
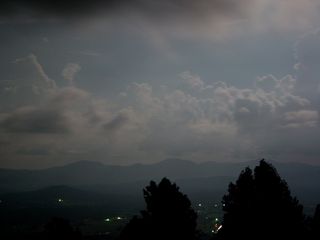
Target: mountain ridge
[208,180]
[95,173]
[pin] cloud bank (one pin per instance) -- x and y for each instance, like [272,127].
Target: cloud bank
[144,123]
[51,110]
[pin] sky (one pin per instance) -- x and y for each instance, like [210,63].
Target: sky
[139,81]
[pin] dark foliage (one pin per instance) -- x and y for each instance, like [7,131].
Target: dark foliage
[168,215]
[315,224]
[260,206]
[60,228]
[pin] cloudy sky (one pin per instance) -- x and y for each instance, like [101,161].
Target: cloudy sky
[123,82]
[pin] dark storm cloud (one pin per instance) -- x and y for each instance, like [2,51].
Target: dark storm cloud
[34,152]
[116,123]
[31,120]
[160,8]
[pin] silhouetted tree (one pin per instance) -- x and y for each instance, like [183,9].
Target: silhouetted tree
[168,215]
[60,228]
[260,206]
[315,224]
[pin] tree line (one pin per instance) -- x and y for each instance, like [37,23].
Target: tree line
[258,205]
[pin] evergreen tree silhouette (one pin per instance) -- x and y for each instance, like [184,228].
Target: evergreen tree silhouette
[315,224]
[238,206]
[260,206]
[168,215]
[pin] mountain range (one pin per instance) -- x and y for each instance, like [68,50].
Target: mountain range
[207,180]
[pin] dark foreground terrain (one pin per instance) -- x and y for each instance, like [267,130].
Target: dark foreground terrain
[99,200]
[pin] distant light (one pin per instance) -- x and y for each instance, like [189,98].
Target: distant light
[200,205]
[107,220]
[119,218]
[217,219]
[216,228]
[60,200]
[216,205]
[223,205]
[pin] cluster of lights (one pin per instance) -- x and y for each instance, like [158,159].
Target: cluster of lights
[216,226]
[215,205]
[217,229]
[109,219]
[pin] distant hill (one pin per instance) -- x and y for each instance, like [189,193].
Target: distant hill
[94,173]
[203,179]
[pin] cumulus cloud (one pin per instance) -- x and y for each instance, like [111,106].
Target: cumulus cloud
[302,118]
[33,120]
[193,81]
[227,122]
[52,115]
[194,120]
[70,71]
